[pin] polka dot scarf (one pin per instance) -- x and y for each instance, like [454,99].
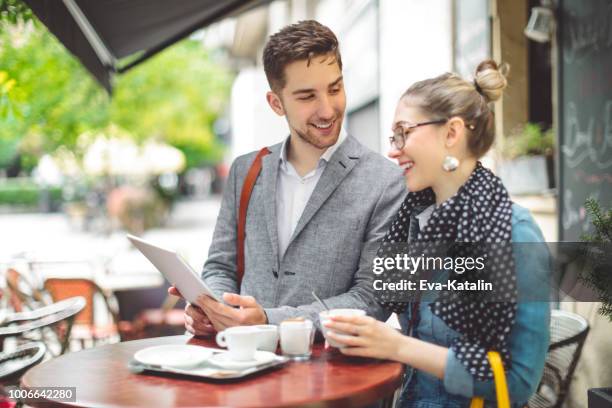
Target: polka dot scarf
[480,212]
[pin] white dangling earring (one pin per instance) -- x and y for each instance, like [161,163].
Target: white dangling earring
[450,163]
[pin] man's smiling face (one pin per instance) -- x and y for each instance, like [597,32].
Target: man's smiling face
[313,100]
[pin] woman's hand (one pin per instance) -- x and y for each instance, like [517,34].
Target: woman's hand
[372,338]
[365,337]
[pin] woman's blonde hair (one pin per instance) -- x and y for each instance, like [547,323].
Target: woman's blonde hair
[450,95]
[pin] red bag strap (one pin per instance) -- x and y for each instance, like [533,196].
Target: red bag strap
[245,196]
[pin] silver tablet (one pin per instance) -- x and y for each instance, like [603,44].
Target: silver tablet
[177,272]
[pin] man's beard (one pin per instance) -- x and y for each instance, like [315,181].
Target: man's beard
[312,140]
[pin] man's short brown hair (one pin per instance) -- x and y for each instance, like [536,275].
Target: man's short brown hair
[300,41]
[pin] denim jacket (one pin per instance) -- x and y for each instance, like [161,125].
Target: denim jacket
[528,341]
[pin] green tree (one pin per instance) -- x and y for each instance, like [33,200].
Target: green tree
[57,99]
[597,273]
[174,97]
[9,115]
[14,10]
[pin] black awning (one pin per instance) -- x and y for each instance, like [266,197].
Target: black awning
[102,32]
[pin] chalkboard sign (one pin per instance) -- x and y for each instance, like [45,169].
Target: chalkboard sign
[585,111]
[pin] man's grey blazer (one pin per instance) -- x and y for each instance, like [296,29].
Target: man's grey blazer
[331,249]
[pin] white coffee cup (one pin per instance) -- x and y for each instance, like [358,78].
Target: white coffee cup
[296,337]
[266,337]
[239,342]
[325,315]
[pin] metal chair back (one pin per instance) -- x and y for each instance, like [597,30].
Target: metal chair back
[568,331]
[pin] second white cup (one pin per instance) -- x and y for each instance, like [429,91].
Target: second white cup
[239,342]
[267,337]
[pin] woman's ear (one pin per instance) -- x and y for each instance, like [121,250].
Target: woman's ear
[456,131]
[275,103]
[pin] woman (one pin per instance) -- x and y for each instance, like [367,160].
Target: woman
[442,126]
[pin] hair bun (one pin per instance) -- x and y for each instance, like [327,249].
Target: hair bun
[490,79]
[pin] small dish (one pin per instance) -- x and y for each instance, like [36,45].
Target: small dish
[173,355]
[224,360]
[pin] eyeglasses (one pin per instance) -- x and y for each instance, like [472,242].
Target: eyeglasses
[403,129]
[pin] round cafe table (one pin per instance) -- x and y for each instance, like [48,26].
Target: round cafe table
[102,379]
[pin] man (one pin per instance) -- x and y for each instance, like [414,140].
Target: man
[320,199]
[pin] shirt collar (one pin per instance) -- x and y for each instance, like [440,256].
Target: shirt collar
[424,216]
[325,156]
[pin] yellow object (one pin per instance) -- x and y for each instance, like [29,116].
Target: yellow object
[501,387]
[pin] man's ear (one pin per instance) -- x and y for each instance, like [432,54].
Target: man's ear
[456,131]
[275,103]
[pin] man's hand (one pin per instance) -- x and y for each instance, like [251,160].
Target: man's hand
[175,292]
[223,316]
[196,321]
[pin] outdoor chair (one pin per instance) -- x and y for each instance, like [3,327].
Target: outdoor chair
[13,364]
[21,293]
[568,331]
[21,324]
[88,329]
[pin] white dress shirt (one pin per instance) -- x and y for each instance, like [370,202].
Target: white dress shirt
[425,215]
[293,192]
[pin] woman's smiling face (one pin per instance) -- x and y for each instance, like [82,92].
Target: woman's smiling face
[423,153]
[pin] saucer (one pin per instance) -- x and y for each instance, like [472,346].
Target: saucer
[177,356]
[224,360]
